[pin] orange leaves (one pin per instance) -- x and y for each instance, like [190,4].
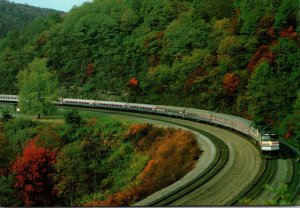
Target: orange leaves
[231,82]
[173,153]
[288,32]
[171,159]
[33,173]
[159,35]
[133,86]
[148,170]
[137,130]
[262,54]
[133,82]
[192,77]
[90,69]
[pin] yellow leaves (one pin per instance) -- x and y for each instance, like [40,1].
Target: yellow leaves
[222,25]
[228,44]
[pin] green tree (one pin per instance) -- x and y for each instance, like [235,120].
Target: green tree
[7,197]
[250,13]
[280,191]
[291,124]
[269,95]
[73,118]
[6,115]
[287,14]
[37,89]
[212,8]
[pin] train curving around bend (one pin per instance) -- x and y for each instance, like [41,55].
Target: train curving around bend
[267,140]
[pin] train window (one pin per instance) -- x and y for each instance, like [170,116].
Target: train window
[265,138]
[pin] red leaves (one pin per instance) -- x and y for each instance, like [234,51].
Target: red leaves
[231,82]
[133,82]
[192,77]
[288,32]
[33,173]
[262,54]
[133,86]
[90,69]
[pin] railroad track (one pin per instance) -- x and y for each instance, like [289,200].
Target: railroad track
[226,179]
[225,162]
[270,171]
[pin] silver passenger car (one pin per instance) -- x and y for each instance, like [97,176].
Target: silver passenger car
[170,110]
[78,102]
[140,107]
[110,104]
[9,98]
[198,115]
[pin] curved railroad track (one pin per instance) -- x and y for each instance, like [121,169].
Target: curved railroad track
[237,171]
[230,169]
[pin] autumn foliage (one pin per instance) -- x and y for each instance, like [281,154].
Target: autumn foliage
[231,82]
[198,72]
[133,82]
[262,54]
[33,175]
[173,154]
[90,69]
[289,32]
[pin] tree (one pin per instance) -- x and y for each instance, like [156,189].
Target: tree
[269,95]
[6,115]
[231,82]
[37,89]
[291,124]
[212,8]
[6,192]
[287,14]
[70,169]
[73,118]
[33,171]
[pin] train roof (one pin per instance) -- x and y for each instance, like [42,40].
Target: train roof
[170,107]
[110,102]
[141,105]
[193,110]
[8,95]
[79,100]
[244,121]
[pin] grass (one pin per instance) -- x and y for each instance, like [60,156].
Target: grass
[58,116]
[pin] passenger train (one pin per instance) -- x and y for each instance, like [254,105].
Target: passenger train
[267,141]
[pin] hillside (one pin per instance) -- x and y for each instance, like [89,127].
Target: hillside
[15,16]
[232,56]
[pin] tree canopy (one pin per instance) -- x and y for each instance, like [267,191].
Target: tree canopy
[37,89]
[199,53]
[15,16]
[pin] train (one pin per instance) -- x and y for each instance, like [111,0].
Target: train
[265,139]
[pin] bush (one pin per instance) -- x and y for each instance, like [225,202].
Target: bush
[172,154]
[6,115]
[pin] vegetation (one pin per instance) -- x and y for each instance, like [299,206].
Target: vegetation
[33,172]
[37,89]
[281,197]
[233,56]
[172,154]
[14,16]
[88,160]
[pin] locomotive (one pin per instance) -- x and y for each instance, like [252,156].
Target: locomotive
[267,141]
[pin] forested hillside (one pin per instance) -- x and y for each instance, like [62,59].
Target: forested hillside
[15,16]
[233,56]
